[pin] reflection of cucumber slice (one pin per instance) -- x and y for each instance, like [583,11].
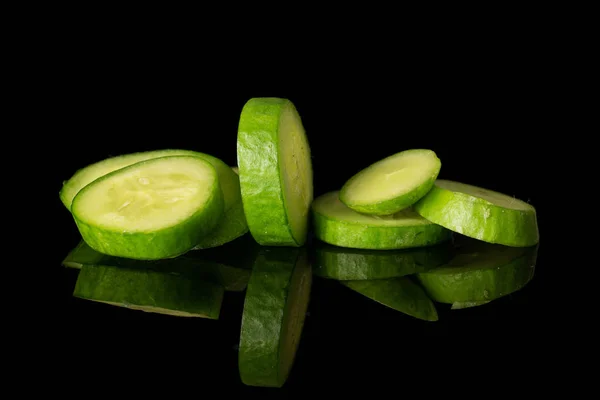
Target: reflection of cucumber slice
[354,264]
[480,213]
[275,172]
[336,224]
[480,272]
[400,294]
[191,264]
[150,290]
[274,310]
[392,184]
[153,209]
[458,305]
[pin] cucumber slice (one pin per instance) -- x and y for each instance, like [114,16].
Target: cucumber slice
[335,223]
[400,294]
[275,168]
[191,264]
[480,214]
[232,226]
[392,184]
[158,208]
[274,311]
[480,272]
[354,264]
[150,290]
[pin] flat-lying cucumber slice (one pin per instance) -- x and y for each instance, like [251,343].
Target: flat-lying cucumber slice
[189,264]
[150,290]
[392,184]
[335,223]
[275,171]
[276,301]
[340,263]
[400,294]
[158,208]
[480,272]
[480,214]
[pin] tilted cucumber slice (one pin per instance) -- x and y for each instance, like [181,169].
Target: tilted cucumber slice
[275,169]
[355,264]
[232,226]
[335,223]
[480,272]
[153,209]
[150,290]
[400,294]
[274,311]
[189,264]
[480,214]
[392,184]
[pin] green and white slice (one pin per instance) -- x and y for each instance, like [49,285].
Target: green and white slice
[392,184]
[480,272]
[189,264]
[400,294]
[480,214]
[150,290]
[158,208]
[275,169]
[341,263]
[336,224]
[275,307]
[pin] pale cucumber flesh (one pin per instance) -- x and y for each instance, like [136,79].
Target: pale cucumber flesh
[493,197]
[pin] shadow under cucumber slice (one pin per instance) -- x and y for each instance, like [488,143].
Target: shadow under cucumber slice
[182,295]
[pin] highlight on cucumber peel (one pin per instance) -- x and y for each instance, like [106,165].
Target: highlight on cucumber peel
[336,224]
[275,169]
[153,209]
[480,272]
[150,290]
[190,264]
[480,213]
[275,306]
[392,184]
[340,263]
[400,294]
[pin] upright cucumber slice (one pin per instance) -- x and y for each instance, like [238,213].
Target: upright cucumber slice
[336,224]
[480,272]
[400,294]
[153,209]
[150,290]
[355,264]
[392,184]
[274,311]
[189,264]
[275,170]
[480,214]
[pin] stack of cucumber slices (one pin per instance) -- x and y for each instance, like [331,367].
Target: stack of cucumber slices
[173,231]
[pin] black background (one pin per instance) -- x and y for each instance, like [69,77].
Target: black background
[479,110]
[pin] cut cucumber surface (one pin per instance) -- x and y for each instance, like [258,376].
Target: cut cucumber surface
[480,214]
[392,184]
[340,263]
[149,290]
[275,169]
[335,223]
[275,307]
[480,272]
[158,208]
[400,294]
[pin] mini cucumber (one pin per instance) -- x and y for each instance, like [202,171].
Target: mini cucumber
[336,224]
[392,184]
[340,263]
[275,169]
[153,209]
[275,306]
[480,272]
[150,290]
[480,214]
[400,294]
